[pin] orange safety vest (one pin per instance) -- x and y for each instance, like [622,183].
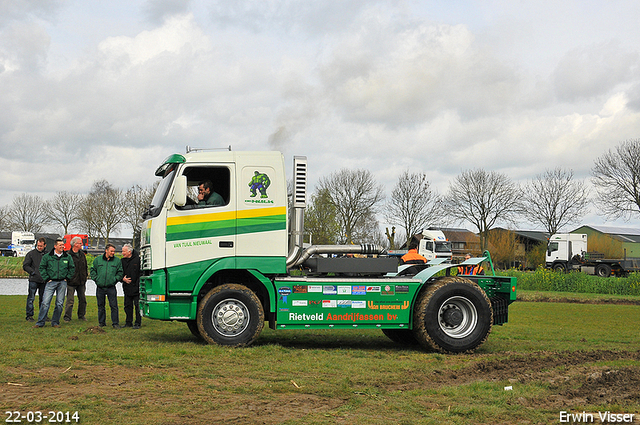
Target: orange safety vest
[470,269]
[412,257]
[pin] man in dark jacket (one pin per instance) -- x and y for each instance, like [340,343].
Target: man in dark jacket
[31,265]
[106,271]
[78,282]
[131,285]
[56,269]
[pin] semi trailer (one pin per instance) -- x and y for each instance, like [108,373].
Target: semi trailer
[225,270]
[568,251]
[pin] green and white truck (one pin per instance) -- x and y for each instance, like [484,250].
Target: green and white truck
[224,270]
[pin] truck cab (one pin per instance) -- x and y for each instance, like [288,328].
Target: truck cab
[434,244]
[22,243]
[562,247]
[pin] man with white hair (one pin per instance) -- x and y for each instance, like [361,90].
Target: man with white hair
[131,286]
[78,282]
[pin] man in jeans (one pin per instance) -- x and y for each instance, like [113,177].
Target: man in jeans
[31,265]
[106,271]
[56,269]
[78,281]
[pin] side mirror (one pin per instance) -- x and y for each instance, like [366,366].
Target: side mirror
[180,191]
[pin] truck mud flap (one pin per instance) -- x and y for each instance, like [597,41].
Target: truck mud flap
[500,308]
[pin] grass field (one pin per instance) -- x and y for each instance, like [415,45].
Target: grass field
[572,357]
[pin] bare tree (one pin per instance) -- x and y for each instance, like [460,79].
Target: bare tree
[27,213]
[553,199]
[63,209]
[137,200]
[482,198]
[413,205]
[103,210]
[355,195]
[320,219]
[4,219]
[616,176]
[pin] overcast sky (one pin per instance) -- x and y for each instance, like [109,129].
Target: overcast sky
[108,89]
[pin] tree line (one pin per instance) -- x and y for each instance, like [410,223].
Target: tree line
[345,205]
[103,211]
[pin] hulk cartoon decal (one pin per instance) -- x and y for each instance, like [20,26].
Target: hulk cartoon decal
[259,182]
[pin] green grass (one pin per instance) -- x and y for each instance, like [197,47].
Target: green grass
[548,280]
[161,374]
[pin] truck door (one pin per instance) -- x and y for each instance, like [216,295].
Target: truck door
[199,235]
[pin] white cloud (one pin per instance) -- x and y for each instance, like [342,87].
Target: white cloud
[382,85]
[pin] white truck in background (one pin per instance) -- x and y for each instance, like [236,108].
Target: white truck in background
[568,251]
[21,243]
[433,244]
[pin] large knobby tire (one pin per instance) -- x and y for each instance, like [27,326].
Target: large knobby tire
[401,336]
[453,315]
[230,315]
[603,270]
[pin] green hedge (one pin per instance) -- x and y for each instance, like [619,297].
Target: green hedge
[548,280]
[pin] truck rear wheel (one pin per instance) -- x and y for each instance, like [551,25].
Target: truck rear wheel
[230,315]
[453,315]
[603,270]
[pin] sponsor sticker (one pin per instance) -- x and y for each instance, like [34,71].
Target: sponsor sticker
[329,290]
[388,290]
[329,304]
[299,303]
[402,289]
[344,290]
[299,289]
[284,292]
[358,304]
[359,290]
[314,288]
[373,289]
[344,303]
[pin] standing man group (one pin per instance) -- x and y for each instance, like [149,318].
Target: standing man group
[56,269]
[65,273]
[78,282]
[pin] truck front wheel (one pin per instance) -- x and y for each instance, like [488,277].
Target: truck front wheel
[453,315]
[230,315]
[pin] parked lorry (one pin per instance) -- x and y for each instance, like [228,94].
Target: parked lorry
[21,243]
[568,251]
[225,270]
[432,243]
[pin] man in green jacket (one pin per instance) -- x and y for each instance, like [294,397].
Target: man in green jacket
[106,271]
[56,269]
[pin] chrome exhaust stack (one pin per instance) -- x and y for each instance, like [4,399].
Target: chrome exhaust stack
[296,231]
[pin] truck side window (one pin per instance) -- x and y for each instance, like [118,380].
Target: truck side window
[220,178]
[553,246]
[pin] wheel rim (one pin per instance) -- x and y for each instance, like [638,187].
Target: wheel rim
[457,317]
[230,317]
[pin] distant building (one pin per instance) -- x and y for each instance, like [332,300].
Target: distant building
[622,241]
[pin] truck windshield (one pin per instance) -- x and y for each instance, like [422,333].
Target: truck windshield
[27,241]
[160,195]
[443,246]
